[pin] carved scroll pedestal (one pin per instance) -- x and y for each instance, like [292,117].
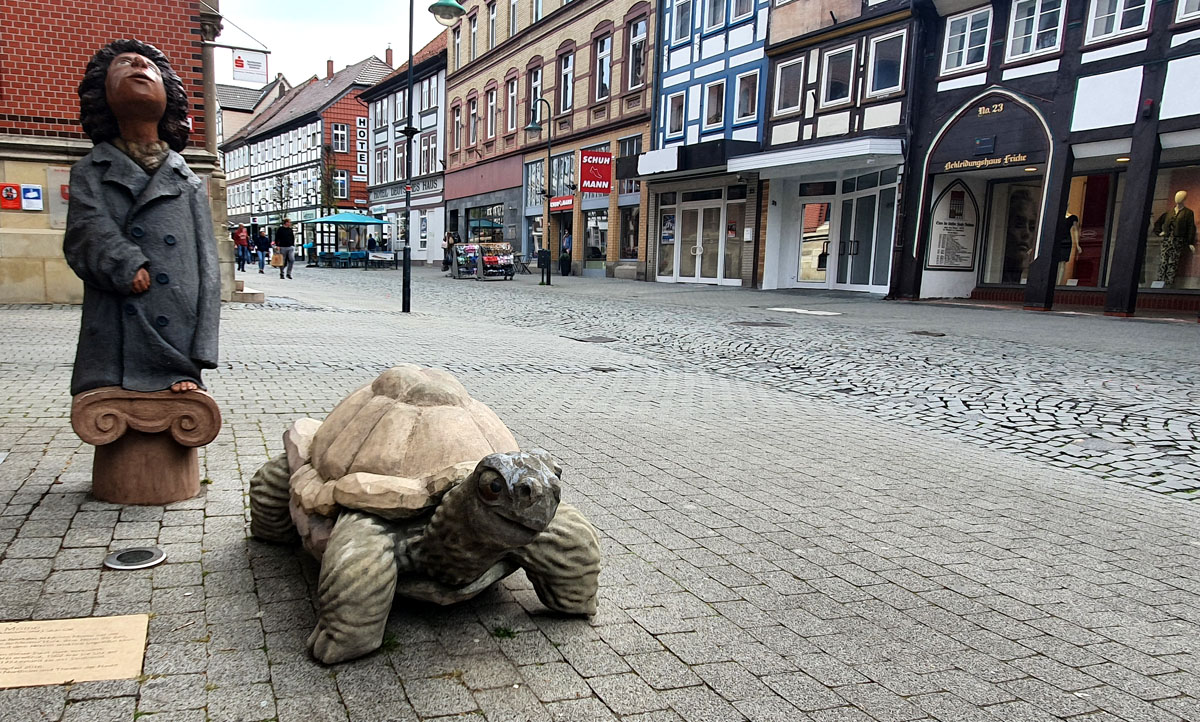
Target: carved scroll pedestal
[145,442]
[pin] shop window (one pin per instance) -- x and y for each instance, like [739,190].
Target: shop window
[1113,18]
[967,40]
[666,239]
[534,225]
[675,110]
[789,81]
[735,226]
[1035,29]
[747,97]
[630,220]
[562,175]
[1172,259]
[535,183]
[837,77]
[887,64]
[714,105]
[485,224]
[628,147]
[1012,232]
[1092,212]
[637,54]
[595,238]
[683,20]
[1188,9]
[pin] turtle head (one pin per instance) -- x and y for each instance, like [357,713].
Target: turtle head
[518,494]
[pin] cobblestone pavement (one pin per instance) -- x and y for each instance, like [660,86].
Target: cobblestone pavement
[834,519]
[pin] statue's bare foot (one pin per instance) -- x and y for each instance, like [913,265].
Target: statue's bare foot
[181,386]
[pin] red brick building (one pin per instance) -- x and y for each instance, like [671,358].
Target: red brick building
[46,48]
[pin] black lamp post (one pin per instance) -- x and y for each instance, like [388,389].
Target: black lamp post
[536,127]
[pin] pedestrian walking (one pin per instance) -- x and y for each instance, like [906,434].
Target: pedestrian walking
[371,242]
[564,256]
[241,246]
[285,241]
[447,251]
[262,246]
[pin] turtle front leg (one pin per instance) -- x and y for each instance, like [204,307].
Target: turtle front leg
[355,591]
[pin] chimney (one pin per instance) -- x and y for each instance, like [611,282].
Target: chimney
[387,57]
[329,69]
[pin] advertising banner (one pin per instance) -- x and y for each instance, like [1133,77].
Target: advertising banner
[562,203]
[595,171]
[250,66]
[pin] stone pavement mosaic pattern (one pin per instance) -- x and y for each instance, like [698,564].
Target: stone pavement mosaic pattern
[770,554]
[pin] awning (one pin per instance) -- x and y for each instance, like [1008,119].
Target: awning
[684,160]
[350,219]
[809,159]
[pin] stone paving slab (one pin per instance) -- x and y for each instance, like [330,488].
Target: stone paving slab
[772,551]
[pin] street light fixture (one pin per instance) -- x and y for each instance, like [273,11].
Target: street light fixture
[536,127]
[447,12]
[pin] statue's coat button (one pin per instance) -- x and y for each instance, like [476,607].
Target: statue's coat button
[162,320]
[130,309]
[137,232]
[169,239]
[162,278]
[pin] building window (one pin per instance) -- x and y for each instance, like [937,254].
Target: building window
[566,82]
[381,165]
[837,77]
[967,40]
[457,128]
[562,175]
[1012,232]
[491,25]
[535,92]
[595,237]
[714,105]
[341,184]
[512,18]
[1169,259]
[637,54]
[341,137]
[485,224]
[379,110]
[457,48]
[716,14]
[537,10]
[472,122]
[398,157]
[603,67]
[491,113]
[789,81]
[510,108]
[742,9]
[747,97]
[887,64]
[628,148]
[1188,9]
[1036,27]
[1112,18]
[675,110]
[683,20]
[474,34]
[630,223]
[535,183]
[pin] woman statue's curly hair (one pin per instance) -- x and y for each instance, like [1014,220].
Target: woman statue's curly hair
[98,120]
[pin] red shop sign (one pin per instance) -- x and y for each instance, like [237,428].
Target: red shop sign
[10,196]
[562,203]
[595,171]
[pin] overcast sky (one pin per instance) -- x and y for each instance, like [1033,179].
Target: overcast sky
[303,34]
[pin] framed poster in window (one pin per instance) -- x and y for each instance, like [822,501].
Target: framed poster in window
[953,230]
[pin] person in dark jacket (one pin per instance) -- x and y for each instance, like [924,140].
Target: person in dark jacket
[262,246]
[139,231]
[285,241]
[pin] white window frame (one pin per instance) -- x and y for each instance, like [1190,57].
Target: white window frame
[714,20]
[777,110]
[849,99]
[491,113]
[966,48]
[566,82]
[537,10]
[343,130]
[733,10]
[704,124]
[899,86]
[473,121]
[510,111]
[682,115]
[676,37]
[492,24]
[457,48]
[1009,56]
[512,17]
[535,92]
[1089,37]
[341,184]
[457,129]
[603,56]
[1181,13]
[473,24]
[634,40]
[737,96]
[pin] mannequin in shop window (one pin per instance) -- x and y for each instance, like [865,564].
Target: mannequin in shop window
[1177,229]
[1020,235]
[1067,249]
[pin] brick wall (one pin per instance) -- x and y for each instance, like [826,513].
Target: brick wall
[47,46]
[348,110]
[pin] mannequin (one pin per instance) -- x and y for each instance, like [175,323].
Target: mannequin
[1068,250]
[1176,228]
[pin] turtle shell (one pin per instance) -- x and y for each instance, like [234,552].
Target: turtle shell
[394,446]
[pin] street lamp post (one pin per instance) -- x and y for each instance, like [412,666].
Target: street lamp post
[536,127]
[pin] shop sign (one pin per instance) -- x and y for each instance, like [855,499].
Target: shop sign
[10,196]
[982,163]
[954,230]
[249,66]
[994,133]
[562,203]
[595,171]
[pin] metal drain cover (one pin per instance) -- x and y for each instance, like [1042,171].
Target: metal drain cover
[595,339]
[927,333]
[135,558]
[765,324]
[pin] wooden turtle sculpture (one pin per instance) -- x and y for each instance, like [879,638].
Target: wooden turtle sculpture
[412,488]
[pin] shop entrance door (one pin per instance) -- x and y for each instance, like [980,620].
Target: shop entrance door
[814,253]
[699,256]
[863,259]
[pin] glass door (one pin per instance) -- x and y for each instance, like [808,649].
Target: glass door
[688,247]
[864,241]
[710,245]
[814,242]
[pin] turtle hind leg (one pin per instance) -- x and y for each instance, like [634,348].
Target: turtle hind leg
[563,563]
[355,591]
[270,520]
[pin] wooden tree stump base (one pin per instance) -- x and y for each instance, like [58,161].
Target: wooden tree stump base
[145,442]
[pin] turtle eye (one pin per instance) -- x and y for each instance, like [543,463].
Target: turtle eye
[490,487]
[495,487]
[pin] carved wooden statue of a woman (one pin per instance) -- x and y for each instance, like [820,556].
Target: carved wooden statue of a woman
[139,235]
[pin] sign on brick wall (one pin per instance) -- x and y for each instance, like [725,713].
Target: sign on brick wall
[595,171]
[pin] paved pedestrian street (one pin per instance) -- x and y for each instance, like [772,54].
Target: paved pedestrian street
[900,512]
